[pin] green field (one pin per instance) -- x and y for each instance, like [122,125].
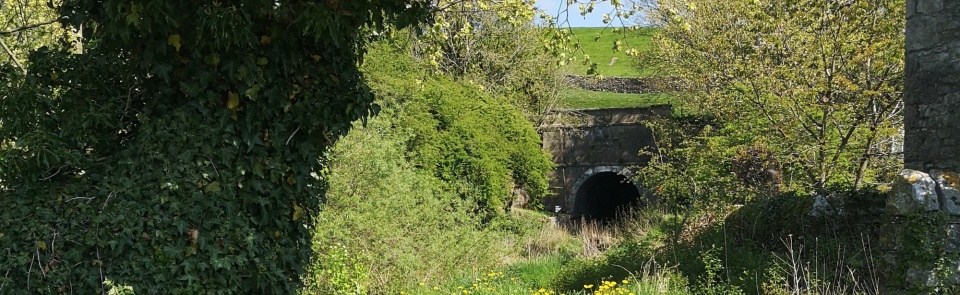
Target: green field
[601,51]
[585,99]
[612,64]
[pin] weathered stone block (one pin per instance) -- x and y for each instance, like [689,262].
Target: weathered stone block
[890,237]
[953,238]
[821,207]
[913,191]
[930,6]
[949,185]
[921,276]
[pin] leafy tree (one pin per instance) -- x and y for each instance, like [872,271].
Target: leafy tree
[496,44]
[814,85]
[512,47]
[179,153]
[27,25]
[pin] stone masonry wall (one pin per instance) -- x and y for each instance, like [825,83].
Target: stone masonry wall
[932,85]
[585,141]
[922,237]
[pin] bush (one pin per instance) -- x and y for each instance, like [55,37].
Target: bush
[481,146]
[419,193]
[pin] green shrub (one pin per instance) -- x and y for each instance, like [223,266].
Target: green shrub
[419,193]
[481,146]
[335,270]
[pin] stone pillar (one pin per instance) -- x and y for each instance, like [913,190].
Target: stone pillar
[932,86]
[921,240]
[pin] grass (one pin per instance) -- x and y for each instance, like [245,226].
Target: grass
[660,281]
[598,44]
[601,51]
[539,274]
[585,99]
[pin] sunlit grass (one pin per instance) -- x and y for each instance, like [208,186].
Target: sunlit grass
[498,283]
[585,99]
[609,62]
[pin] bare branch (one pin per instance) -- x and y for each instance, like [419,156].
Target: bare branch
[27,27]
[12,56]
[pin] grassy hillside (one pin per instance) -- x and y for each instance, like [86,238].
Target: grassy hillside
[585,99]
[601,51]
[612,64]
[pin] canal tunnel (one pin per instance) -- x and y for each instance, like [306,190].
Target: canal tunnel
[603,195]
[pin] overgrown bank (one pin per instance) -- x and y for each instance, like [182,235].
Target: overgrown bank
[421,192]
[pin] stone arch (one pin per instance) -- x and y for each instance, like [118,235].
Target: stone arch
[601,191]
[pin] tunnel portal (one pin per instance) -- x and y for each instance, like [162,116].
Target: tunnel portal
[603,195]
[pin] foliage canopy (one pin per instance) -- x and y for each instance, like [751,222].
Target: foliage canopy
[812,89]
[178,154]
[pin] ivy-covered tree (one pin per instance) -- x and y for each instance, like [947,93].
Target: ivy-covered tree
[178,153]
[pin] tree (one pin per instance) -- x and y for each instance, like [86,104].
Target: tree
[512,47]
[495,44]
[817,83]
[26,25]
[179,153]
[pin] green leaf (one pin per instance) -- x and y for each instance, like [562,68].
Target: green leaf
[174,40]
[212,187]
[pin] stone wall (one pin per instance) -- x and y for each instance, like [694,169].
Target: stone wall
[932,85]
[922,236]
[585,142]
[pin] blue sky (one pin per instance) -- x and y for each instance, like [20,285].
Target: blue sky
[595,19]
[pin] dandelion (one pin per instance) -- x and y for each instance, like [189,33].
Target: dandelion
[588,286]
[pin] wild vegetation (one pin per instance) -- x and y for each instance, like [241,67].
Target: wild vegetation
[420,192]
[179,152]
[384,147]
[24,26]
[812,89]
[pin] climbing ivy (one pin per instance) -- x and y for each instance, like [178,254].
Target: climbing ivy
[178,154]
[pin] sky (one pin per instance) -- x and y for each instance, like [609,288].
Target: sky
[594,19]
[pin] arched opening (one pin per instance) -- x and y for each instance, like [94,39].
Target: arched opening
[605,194]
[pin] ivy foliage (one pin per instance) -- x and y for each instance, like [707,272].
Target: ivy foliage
[179,153]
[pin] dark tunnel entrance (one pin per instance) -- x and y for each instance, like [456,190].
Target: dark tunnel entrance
[605,194]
